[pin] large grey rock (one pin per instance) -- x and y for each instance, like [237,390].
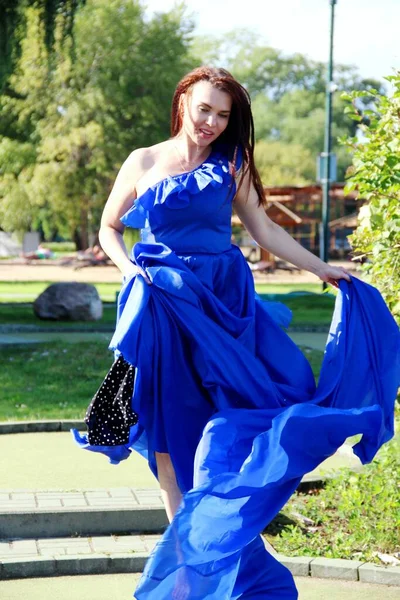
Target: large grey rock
[69,301]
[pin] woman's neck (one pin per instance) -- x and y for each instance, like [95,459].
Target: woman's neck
[188,151]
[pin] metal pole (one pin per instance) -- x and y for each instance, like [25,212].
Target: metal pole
[324,242]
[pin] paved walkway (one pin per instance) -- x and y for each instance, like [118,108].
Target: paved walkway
[33,337]
[48,271]
[21,501]
[311,339]
[72,529]
[67,546]
[52,461]
[121,587]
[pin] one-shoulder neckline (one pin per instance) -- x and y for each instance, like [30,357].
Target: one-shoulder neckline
[177,175]
[175,191]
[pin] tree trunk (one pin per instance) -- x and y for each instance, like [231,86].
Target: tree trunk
[84,229]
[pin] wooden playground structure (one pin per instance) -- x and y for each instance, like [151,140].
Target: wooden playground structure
[298,210]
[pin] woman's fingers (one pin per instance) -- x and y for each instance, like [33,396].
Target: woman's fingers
[143,273]
[136,270]
[333,282]
[333,274]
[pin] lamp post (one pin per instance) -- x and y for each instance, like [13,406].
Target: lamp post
[326,163]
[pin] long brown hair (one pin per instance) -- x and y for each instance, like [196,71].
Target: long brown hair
[239,134]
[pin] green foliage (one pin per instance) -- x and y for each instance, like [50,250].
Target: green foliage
[284,164]
[75,113]
[94,81]
[354,516]
[288,98]
[375,174]
[13,28]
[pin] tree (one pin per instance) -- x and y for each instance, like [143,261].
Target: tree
[101,93]
[299,119]
[288,94]
[282,164]
[20,113]
[13,27]
[375,174]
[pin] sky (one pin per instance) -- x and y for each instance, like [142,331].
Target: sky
[366,31]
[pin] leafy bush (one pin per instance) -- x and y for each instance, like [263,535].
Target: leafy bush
[375,173]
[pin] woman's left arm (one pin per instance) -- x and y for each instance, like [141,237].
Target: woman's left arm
[276,240]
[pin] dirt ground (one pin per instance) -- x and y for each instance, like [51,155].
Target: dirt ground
[48,271]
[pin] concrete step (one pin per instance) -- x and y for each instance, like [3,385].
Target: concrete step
[74,556]
[97,555]
[35,514]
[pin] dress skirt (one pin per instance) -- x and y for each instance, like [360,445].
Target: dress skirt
[221,387]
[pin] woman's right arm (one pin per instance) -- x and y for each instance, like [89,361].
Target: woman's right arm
[119,201]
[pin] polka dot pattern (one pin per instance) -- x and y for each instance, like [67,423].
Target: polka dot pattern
[109,415]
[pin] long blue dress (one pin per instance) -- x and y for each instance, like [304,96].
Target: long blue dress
[221,387]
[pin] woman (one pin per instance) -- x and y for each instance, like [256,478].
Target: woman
[224,405]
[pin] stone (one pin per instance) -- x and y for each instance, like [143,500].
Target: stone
[93,564]
[128,563]
[370,573]
[27,567]
[335,568]
[299,566]
[69,301]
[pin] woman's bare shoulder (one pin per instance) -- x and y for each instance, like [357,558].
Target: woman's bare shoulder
[143,159]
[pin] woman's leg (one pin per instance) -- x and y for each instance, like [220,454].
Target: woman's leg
[172,497]
[170,491]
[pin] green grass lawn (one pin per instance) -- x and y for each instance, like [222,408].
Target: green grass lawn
[55,380]
[316,310]
[286,288]
[27,291]
[308,309]
[22,314]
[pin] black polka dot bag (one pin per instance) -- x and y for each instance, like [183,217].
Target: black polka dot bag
[109,415]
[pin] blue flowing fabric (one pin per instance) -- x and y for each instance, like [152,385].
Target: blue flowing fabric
[221,387]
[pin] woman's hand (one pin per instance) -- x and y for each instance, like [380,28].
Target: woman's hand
[333,274]
[136,270]
[275,239]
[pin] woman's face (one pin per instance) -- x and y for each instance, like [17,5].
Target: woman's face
[206,112]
